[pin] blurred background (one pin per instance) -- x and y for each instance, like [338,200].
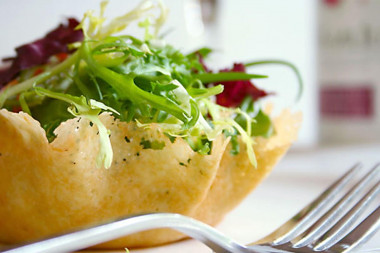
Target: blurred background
[335,44]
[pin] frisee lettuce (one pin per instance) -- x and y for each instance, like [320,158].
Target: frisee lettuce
[88,109]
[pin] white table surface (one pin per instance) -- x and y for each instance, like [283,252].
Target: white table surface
[297,179]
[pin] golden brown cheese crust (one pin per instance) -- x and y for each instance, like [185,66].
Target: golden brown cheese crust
[48,188]
[236,177]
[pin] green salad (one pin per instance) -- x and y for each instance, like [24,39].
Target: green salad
[96,70]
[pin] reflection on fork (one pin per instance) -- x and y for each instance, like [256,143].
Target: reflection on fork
[313,229]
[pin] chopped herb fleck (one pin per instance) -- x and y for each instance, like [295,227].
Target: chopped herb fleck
[156,145]
[127,139]
[91,124]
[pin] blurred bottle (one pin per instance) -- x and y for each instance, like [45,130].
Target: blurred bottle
[349,71]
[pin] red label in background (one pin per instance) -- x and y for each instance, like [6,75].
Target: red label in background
[331,2]
[347,101]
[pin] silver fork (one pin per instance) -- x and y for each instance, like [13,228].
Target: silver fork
[308,231]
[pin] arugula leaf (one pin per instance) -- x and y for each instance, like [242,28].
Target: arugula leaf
[125,87]
[262,125]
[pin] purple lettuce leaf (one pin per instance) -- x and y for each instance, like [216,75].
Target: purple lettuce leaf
[39,51]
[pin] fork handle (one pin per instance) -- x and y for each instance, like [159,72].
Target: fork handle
[112,230]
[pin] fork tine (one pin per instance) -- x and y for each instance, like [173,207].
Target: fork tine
[330,217]
[296,224]
[338,231]
[360,234]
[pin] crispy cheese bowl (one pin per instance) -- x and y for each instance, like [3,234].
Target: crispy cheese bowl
[49,188]
[150,139]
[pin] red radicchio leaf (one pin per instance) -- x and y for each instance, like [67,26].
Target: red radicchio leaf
[235,91]
[39,51]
